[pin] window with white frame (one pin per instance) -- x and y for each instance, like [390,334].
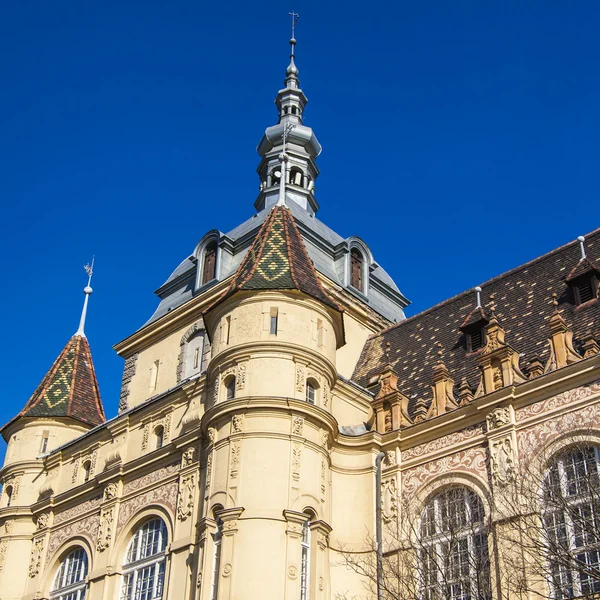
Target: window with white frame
[69,582]
[305,561]
[454,560]
[311,391]
[144,568]
[572,523]
[216,569]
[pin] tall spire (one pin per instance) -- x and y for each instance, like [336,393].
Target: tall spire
[287,170]
[87,290]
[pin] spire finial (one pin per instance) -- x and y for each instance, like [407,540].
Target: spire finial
[295,16]
[87,290]
[581,241]
[292,71]
[478,292]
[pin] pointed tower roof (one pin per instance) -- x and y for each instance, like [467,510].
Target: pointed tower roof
[70,388]
[277,260]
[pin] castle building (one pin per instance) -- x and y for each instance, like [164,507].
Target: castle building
[278,409]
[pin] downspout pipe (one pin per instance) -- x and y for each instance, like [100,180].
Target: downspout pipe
[378,531]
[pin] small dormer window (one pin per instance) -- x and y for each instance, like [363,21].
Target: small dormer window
[209,269]
[584,280]
[356,269]
[475,339]
[585,289]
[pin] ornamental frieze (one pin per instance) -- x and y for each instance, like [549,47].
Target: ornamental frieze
[78,510]
[568,397]
[471,460]
[87,527]
[443,442]
[165,495]
[150,478]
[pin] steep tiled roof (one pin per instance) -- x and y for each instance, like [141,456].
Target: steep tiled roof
[523,300]
[70,388]
[277,260]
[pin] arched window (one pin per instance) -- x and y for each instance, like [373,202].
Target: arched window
[9,494]
[312,388]
[296,176]
[454,561]
[69,582]
[144,567]
[159,437]
[305,561]
[356,269]
[216,566]
[230,387]
[572,523]
[86,470]
[209,263]
[275,176]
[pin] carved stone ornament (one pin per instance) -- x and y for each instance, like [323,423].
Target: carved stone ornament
[110,491]
[42,521]
[37,552]
[145,436]
[209,461]
[503,462]
[187,458]
[165,495]
[8,526]
[235,459]
[212,435]
[324,438]
[326,393]
[297,425]
[296,459]
[3,550]
[390,458]
[227,569]
[105,530]
[86,527]
[240,379]
[216,387]
[498,418]
[185,499]
[323,478]
[300,378]
[75,470]
[237,423]
[389,499]
[292,571]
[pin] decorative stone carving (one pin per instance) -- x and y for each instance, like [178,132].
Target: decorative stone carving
[550,404]
[8,526]
[216,386]
[324,438]
[110,492]
[234,464]
[37,553]
[227,569]
[390,459]
[323,478]
[212,435]
[389,499]
[145,436]
[292,571]
[209,461]
[3,550]
[498,418]
[77,510]
[502,461]
[150,478]
[240,378]
[75,472]
[442,442]
[105,529]
[296,460]
[297,425]
[230,526]
[86,527]
[300,378]
[185,501]
[472,461]
[42,521]
[237,424]
[188,456]
[128,373]
[326,394]
[166,495]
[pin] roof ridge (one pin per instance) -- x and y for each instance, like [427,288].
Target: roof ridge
[485,283]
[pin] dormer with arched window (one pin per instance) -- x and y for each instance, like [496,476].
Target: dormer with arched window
[207,259]
[359,262]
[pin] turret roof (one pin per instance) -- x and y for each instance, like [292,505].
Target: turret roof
[277,260]
[70,388]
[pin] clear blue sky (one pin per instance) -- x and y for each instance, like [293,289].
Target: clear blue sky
[460,140]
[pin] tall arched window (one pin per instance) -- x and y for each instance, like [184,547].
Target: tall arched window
[209,268]
[305,561]
[144,567]
[356,269]
[8,491]
[312,388]
[572,523]
[454,561]
[69,582]
[216,566]
[86,470]
[159,437]
[230,387]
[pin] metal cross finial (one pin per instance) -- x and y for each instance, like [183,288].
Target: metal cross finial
[89,269]
[87,290]
[295,16]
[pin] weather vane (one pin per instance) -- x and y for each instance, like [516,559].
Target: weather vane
[295,16]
